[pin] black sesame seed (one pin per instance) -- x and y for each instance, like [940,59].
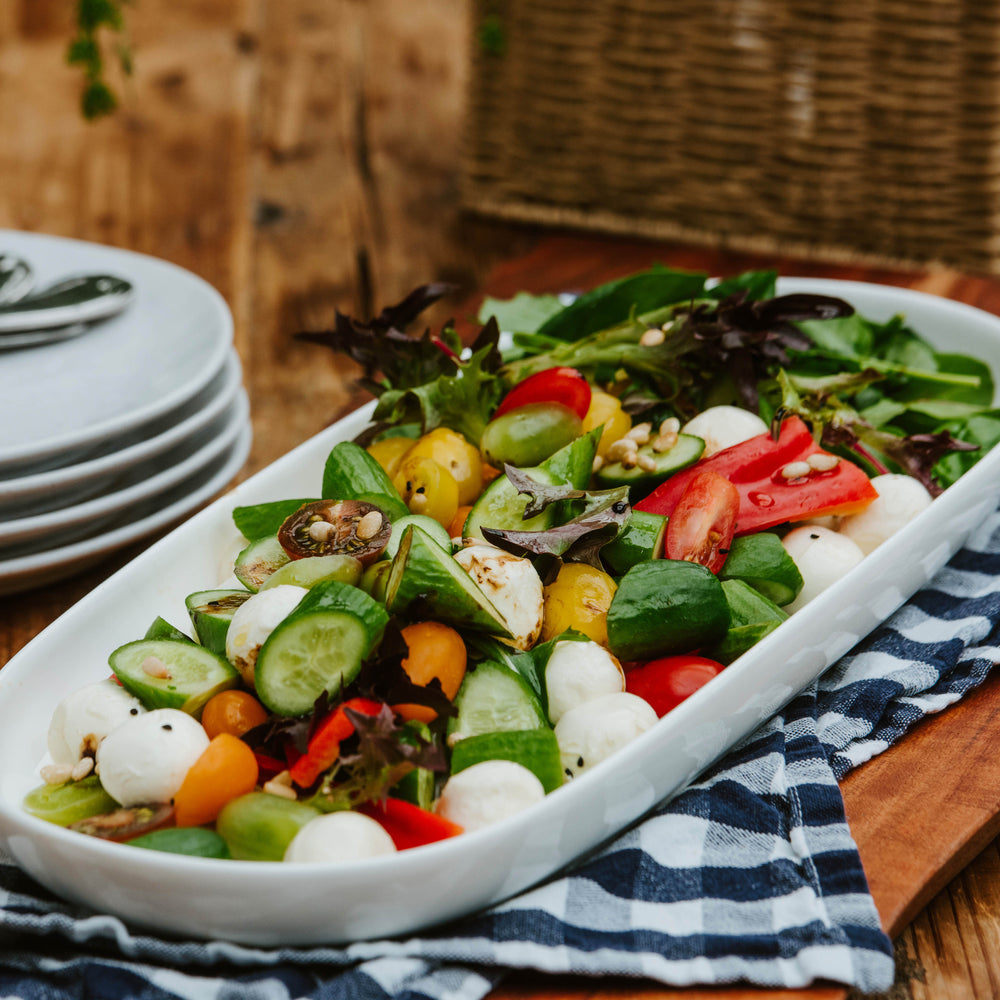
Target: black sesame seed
[167,727]
[579,762]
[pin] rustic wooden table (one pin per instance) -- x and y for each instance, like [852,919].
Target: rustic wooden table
[303,156]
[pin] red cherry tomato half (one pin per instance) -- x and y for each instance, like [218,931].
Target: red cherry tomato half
[554,385]
[701,528]
[666,682]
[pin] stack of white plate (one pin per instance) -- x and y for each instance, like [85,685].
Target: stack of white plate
[111,436]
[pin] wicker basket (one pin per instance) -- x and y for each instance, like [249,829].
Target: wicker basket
[861,129]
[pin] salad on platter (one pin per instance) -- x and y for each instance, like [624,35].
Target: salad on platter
[529,556]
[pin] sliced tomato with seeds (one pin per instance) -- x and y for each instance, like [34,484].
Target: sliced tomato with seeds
[126,823]
[700,530]
[331,527]
[769,496]
[553,385]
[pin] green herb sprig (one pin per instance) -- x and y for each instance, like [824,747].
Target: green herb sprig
[86,51]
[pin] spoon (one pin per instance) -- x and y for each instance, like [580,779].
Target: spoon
[16,278]
[84,299]
[34,338]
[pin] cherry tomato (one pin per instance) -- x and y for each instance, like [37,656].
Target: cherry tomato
[529,434]
[449,449]
[666,682]
[427,487]
[606,410]
[700,529]
[435,651]
[554,385]
[233,712]
[331,527]
[389,452]
[125,823]
[226,770]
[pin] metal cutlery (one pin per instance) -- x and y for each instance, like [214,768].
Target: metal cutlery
[54,311]
[16,278]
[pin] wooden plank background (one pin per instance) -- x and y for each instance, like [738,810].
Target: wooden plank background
[302,156]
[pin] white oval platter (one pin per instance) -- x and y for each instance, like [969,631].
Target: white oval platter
[275,904]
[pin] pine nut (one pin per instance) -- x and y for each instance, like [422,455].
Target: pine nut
[619,449]
[56,774]
[83,767]
[368,526]
[653,337]
[647,463]
[795,470]
[640,433]
[320,531]
[822,462]
[664,443]
[282,791]
[153,666]
[597,464]
[670,426]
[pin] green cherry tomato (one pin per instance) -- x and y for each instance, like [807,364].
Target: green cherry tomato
[529,434]
[565,386]
[259,826]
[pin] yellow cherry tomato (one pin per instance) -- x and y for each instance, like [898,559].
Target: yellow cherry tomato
[606,409]
[449,449]
[389,452]
[427,487]
[436,651]
[578,598]
[226,770]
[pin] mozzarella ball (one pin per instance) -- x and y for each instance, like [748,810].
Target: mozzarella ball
[512,585]
[146,759]
[900,498]
[85,717]
[822,556]
[578,671]
[255,619]
[723,426]
[340,837]
[488,792]
[593,731]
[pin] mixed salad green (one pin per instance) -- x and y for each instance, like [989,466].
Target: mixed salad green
[534,551]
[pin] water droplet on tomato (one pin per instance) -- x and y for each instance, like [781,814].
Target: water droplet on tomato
[761,499]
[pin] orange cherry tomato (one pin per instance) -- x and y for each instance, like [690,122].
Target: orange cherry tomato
[435,651]
[233,712]
[226,770]
[700,529]
[458,521]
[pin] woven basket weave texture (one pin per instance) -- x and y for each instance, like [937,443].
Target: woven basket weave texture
[865,129]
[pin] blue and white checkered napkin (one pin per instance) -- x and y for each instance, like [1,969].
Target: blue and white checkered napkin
[749,876]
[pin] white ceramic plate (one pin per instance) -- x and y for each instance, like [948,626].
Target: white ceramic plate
[70,484]
[152,516]
[141,482]
[276,904]
[58,399]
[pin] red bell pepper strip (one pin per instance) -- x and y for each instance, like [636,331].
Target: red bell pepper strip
[767,497]
[324,744]
[408,824]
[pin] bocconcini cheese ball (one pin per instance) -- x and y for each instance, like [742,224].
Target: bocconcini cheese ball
[593,731]
[578,671]
[84,718]
[255,619]
[340,837]
[723,426]
[822,556]
[145,759]
[900,499]
[488,792]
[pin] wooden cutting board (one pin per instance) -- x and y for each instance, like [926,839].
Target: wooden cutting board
[919,812]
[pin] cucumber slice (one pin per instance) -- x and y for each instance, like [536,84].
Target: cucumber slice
[535,749]
[167,673]
[427,524]
[162,629]
[211,611]
[641,541]
[425,578]
[501,506]
[194,841]
[316,569]
[763,562]
[493,698]
[318,648]
[752,616]
[69,802]
[641,481]
[258,561]
[666,606]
